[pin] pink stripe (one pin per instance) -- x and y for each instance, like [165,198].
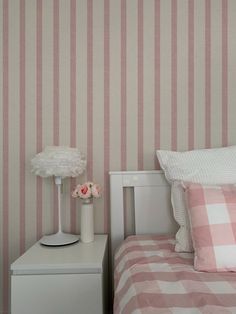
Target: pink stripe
[56,72]
[73,218]
[73,73]
[90,89]
[55,97]
[106,110]
[191,74]
[157,121]
[140,84]
[123,85]
[174,75]
[22,126]
[123,91]
[208,73]
[5,156]
[39,115]
[73,102]
[224,72]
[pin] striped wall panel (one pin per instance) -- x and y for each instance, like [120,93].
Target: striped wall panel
[117,79]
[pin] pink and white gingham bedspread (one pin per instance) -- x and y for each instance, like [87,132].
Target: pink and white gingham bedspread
[151,278]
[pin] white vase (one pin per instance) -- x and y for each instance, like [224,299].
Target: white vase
[87,222]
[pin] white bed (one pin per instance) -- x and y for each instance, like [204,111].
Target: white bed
[150,277]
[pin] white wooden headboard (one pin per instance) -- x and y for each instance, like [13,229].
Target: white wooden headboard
[152,206]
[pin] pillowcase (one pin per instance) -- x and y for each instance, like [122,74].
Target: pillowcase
[206,166]
[212,213]
[183,235]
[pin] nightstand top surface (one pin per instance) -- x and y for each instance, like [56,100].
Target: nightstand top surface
[76,258]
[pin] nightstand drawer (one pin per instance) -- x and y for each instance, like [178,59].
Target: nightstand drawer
[59,294]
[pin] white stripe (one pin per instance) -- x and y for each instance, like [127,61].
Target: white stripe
[30,133]
[14,101]
[182,75]
[81,81]
[221,287]
[199,69]
[98,105]
[115,77]
[165,72]
[64,99]
[216,72]
[47,105]
[1,160]
[148,82]
[131,22]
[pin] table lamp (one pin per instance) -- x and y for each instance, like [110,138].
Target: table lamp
[60,162]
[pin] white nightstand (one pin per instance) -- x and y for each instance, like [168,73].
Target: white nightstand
[61,280]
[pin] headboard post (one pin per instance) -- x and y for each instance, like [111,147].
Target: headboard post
[117,206]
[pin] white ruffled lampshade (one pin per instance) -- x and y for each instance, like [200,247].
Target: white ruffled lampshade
[59,161]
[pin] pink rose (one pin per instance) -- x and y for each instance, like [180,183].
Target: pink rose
[96,191]
[85,191]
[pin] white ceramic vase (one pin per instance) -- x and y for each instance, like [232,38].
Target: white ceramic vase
[87,222]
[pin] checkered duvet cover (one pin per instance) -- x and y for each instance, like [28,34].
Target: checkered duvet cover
[151,278]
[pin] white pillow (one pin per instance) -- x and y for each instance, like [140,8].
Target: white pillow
[206,166]
[183,235]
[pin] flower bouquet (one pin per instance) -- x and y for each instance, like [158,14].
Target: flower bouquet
[87,191]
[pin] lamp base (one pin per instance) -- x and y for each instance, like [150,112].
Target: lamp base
[59,239]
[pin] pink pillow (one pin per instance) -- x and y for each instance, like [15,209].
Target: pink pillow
[212,214]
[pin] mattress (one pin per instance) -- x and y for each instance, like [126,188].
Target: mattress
[150,277]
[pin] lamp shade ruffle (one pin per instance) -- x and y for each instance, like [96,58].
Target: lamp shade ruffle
[59,161]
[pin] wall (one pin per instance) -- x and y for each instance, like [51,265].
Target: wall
[117,79]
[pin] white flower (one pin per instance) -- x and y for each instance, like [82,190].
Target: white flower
[96,190]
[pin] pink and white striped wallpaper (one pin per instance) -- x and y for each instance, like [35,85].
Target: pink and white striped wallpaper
[116,79]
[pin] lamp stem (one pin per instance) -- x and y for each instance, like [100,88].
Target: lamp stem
[58,183]
[59,238]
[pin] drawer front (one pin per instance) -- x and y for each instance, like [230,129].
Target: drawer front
[57,294]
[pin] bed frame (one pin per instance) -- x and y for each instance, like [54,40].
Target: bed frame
[152,206]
